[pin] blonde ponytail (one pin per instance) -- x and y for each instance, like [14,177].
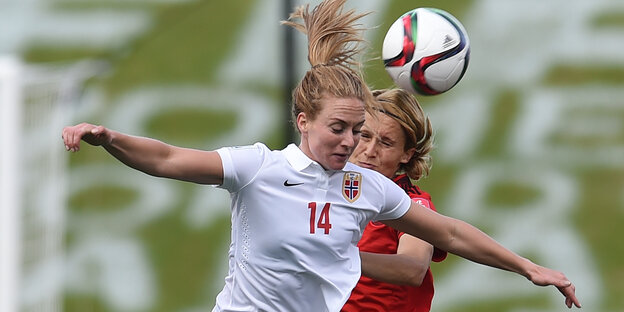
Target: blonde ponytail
[334,40]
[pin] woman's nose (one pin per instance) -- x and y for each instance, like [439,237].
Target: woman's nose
[369,148]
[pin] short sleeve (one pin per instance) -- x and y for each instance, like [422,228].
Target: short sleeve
[397,202]
[241,164]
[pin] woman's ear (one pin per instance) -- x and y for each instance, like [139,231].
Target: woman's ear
[302,122]
[407,155]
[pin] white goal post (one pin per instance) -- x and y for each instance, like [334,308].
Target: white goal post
[10,196]
[35,103]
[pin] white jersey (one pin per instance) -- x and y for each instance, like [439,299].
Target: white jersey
[295,228]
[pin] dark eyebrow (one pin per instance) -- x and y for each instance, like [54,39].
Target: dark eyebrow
[342,122]
[333,119]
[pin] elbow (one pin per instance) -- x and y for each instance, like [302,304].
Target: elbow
[394,269]
[416,275]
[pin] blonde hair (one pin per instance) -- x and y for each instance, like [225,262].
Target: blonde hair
[333,41]
[405,109]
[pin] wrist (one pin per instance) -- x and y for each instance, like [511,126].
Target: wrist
[110,138]
[528,269]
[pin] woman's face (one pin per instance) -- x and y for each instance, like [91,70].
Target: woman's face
[331,137]
[382,146]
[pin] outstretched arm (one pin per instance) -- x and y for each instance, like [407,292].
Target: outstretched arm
[466,241]
[148,155]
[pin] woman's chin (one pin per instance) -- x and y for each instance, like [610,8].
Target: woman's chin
[338,163]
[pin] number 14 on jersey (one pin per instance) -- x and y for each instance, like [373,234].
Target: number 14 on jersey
[323,218]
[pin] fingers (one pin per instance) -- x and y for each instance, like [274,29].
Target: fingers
[76,134]
[72,135]
[551,277]
[68,139]
[569,293]
[564,283]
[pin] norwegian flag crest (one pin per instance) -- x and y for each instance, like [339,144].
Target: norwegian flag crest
[351,185]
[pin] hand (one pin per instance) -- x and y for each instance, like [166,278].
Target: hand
[544,277]
[94,135]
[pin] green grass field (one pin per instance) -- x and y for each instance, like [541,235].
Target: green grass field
[554,196]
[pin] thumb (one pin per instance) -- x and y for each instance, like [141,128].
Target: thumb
[97,130]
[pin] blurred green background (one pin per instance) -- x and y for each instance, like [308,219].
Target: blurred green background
[529,145]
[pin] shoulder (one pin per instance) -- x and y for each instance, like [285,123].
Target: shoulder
[415,193]
[244,151]
[375,183]
[421,197]
[380,191]
[243,161]
[244,164]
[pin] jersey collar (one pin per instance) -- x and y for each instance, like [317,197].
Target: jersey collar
[297,159]
[300,161]
[401,178]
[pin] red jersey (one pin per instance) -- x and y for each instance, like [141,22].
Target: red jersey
[372,295]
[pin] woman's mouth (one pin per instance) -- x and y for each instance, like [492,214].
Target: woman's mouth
[342,157]
[366,165]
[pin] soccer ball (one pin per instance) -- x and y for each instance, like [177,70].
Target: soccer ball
[426,51]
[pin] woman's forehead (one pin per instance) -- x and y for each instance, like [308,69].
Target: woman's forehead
[383,125]
[349,107]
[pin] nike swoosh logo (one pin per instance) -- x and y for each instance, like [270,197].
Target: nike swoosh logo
[291,184]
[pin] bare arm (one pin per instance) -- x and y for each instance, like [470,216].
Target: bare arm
[407,267]
[465,240]
[148,155]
